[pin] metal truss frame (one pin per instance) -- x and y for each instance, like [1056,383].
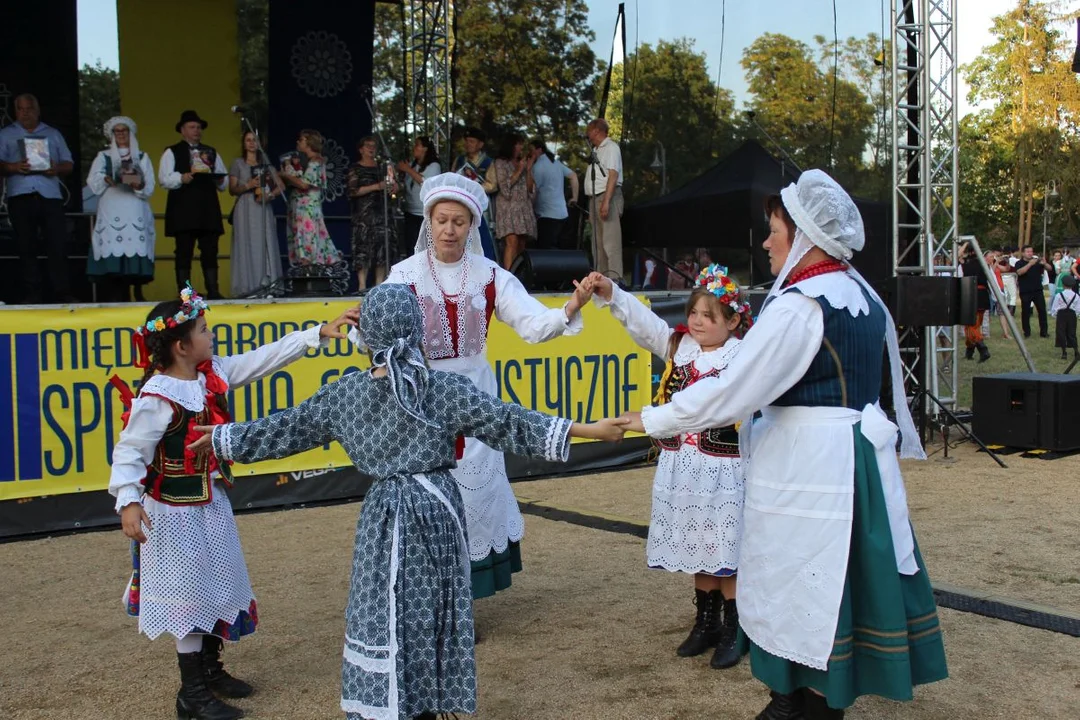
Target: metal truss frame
[427,42]
[925,177]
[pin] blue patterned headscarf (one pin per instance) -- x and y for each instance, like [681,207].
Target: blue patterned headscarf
[392,328]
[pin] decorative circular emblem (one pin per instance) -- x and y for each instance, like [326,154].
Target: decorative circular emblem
[321,64]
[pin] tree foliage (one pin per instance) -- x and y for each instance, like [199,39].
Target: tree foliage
[792,98]
[99,100]
[669,99]
[1025,73]
[253,45]
[524,64]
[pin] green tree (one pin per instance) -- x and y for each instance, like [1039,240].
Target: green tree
[792,99]
[524,64]
[253,45]
[670,99]
[1026,74]
[864,62]
[99,100]
[987,194]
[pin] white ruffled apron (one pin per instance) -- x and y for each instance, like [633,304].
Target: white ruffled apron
[797,523]
[492,516]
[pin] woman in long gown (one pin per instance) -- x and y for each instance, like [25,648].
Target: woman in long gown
[122,246]
[408,624]
[372,215]
[256,259]
[459,292]
[309,240]
[515,220]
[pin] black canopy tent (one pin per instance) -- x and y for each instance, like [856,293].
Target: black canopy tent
[724,208]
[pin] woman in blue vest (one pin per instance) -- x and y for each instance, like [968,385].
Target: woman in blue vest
[834,599]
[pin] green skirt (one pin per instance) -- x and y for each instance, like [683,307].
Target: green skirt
[133,268]
[888,639]
[492,574]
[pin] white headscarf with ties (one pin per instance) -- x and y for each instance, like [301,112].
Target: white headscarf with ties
[133,143]
[826,217]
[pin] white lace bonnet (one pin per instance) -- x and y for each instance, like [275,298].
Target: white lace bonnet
[460,189]
[826,217]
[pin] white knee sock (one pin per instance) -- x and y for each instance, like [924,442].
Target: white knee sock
[189,643]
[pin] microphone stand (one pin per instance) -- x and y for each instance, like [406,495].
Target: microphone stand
[386,185]
[268,168]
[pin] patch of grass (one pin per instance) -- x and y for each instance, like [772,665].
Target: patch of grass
[1005,357]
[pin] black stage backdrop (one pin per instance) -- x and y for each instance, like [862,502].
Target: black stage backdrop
[320,73]
[39,55]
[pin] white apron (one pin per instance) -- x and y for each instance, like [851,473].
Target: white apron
[797,523]
[492,516]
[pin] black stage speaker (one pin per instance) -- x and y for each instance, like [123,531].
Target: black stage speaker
[1027,410]
[922,301]
[550,270]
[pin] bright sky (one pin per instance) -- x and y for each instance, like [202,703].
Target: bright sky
[651,20]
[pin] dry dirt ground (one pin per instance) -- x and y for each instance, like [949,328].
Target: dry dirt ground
[586,631]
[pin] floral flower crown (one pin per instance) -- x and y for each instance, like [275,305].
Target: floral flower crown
[714,278]
[193,306]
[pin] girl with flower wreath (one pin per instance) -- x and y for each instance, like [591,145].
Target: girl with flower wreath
[190,579]
[697,507]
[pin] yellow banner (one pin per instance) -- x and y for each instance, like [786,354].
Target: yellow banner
[60,417]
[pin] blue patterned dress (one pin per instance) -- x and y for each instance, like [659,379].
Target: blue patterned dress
[408,625]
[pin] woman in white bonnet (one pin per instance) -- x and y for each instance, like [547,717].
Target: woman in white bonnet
[122,245]
[459,292]
[834,598]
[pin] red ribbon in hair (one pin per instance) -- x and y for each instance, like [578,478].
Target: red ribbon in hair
[681,328]
[126,396]
[142,355]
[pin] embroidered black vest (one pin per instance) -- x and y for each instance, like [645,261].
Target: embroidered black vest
[176,476]
[719,442]
[193,208]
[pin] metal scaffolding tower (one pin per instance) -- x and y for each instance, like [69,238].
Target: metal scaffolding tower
[925,177]
[427,42]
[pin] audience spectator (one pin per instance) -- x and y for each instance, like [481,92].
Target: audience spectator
[1029,279]
[122,244]
[549,178]
[425,164]
[256,260]
[514,218]
[1064,310]
[34,200]
[603,185]
[993,258]
[1007,266]
[687,269]
[476,165]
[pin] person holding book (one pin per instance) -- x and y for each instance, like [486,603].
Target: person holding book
[122,245]
[33,158]
[193,174]
[256,257]
[308,239]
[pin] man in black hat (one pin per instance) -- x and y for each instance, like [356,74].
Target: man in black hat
[194,173]
[477,165]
